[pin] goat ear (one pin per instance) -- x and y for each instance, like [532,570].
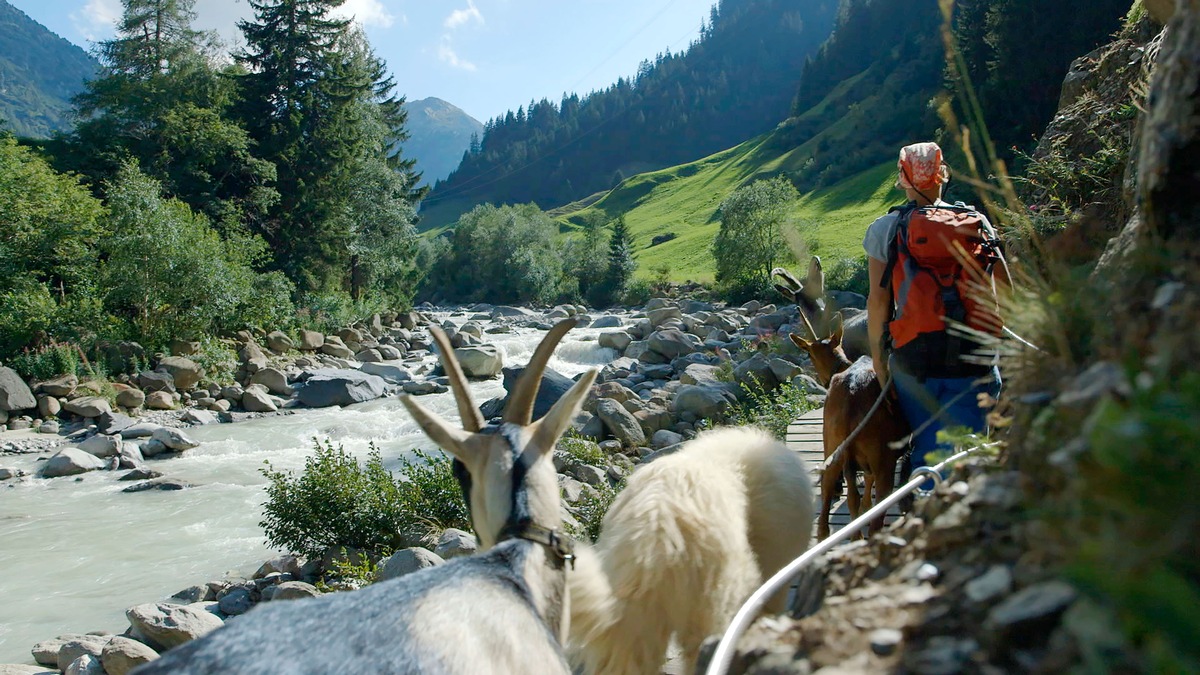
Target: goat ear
[800,342]
[836,338]
[450,438]
[550,427]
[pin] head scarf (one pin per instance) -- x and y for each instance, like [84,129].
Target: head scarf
[921,167]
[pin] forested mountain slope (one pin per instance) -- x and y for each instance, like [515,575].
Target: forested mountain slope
[736,81]
[39,73]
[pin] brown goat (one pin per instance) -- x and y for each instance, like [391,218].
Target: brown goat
[853,389]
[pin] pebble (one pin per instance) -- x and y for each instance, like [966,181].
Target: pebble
[885,640]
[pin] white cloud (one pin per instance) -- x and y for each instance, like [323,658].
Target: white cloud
[97,19]
[447,54]
[460,17]
[368,13]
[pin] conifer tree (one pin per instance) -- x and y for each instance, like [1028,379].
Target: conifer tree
[620,260]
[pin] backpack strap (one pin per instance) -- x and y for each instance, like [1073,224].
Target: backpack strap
[904,212]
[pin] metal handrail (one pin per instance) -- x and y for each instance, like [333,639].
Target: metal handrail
[723,656]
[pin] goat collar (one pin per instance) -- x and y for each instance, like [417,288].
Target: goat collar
[562,546]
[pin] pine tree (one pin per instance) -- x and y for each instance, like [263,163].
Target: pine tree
[620,261]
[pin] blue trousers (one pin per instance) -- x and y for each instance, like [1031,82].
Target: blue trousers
[921,399]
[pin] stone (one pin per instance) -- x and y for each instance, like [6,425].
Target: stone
[671,343]
[480,362]
[185,372]
[131,398]
[701,374]
[423,388]
[257,400]
[14,393]
[990,585]
[152,381]
[8,473]
[391,372]
[102,445]
[783,369]
[22,669]
[139,430]
[46,652]
[885,640]
[333,347]
[130,456]
[235,602]
[47,406]
[60,386]
[340,387]
[179,347]
[50,427]
[284,564]
[369,356]
[162,484]
[168,625]
[87,406]
[660,316]
[274,380]
[756,372]
[592,475]
[607,321]
[122,655]
[664,437]
[160,400]
[279,342]
[407,561]
[618,340]
[199,417]
[140,474]
[454,543]
[86,664]
[77,647]
[310,341]
[620,422]
[174,439]
[703,402]
[1032,609]
[70,462]
[294,590]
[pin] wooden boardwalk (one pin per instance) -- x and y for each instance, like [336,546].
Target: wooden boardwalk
[804,436]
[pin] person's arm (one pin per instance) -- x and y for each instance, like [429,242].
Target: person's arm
[879,307]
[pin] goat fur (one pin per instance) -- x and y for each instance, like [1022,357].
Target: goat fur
[683,546]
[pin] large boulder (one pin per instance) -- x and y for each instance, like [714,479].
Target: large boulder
[620,422]
[14,393]
[46,651]
[607,321]
[184,371]
[702,374]
[160,400]
[256,400]
[174,439]
[90,645]
[131,398]
[702,402]
[553,386]
[88,406]
[310,340]
[392,372]
[618,340]
[102,445]
[480,362]
[167,625]
[60,386]
[660,316]
[334,347]
[152,381]
[279,342]
[274,380]
[455,543]
[407,561]
[122,655]
[340,387]
[670,343]
[756,372]
[71,461]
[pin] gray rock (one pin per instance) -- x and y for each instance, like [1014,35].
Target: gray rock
[1032,608]
[60,386]
[592,475]
[284,564]
[340,387]
[423,388]
[22,669]
[991,584]
[152,381]
[139,430]
[50,427]
[130,456]
[784,370]
[294,590]
[885,640]
[660,316]
[756,372]
[671,343]
[185,372]
[160,400]
[334,347]
[131,398]
[174,439]
[506,311]
[236,601]
[480,362]
[179,347]
[168,625]
[69,462]
[91,645]
[620,422]
[702,402]
[700,374]
[310,341]
[161,484]
[370,355]
[279,342]
[390,371]
[199,417]
[607,321]
[47,406]
[7,473]
[46,651]
[140,474]
[454,543]
[274,380]
[14,393]
[664,437]
[618,340]
[102,445]
[86,664]
[87,406]
[122,655]
[407,561]
[255,399]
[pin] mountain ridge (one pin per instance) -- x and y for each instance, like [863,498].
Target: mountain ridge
[439,133]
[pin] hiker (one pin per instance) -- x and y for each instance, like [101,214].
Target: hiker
[917,281]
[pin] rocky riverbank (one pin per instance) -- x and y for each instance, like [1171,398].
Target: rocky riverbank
[677,366]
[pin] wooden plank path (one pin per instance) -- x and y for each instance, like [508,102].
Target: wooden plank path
[804,436]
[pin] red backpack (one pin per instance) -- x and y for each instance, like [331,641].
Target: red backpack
[936,264]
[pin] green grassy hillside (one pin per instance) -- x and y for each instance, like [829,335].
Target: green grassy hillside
[684,199]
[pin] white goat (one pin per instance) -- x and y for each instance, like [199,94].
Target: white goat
[689,539]
[503,611]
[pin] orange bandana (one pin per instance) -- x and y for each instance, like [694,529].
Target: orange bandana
[921,167]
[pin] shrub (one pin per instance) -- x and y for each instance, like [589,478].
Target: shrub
[581,449]
[46,363]
[590,509]
[750,241]
[773,411]
[662,239]
[337,502]
[850,274]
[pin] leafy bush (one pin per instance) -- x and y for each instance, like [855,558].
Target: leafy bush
[219,361]
[750,241]
[46,363]
[773,411]
[850,274]
[590,509]
[581,449]
[337,502]
[662,238]
[637,292]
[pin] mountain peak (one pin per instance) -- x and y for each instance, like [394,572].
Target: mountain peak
[439,133]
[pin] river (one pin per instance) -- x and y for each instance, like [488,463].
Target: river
[74,553]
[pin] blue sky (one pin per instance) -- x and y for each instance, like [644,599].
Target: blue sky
[485,56]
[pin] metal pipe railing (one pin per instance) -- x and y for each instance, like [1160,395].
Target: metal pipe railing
[723,656]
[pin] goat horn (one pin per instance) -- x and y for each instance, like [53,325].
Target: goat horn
[472,419]
[519,409]
[812,331]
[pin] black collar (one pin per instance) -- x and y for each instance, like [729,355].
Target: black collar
[562,546]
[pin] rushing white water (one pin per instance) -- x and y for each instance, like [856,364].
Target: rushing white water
[75,553]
